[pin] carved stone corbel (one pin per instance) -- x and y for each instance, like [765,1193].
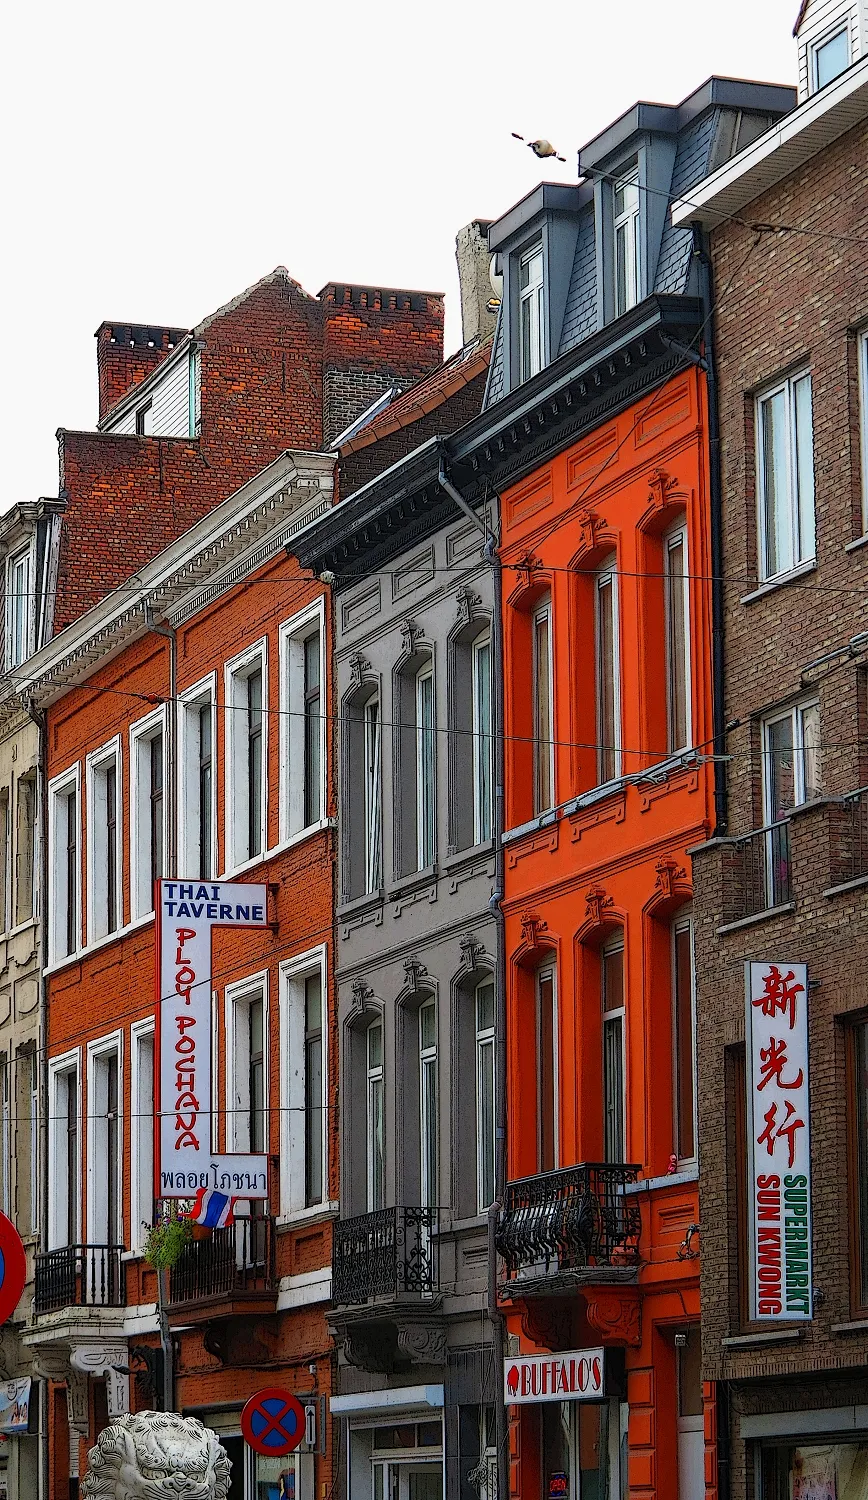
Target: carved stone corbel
[422,1343]
[104,1359]
[616,1316]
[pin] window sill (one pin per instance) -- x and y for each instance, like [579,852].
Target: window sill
[780,581]
[854,546]
[317,1213]
[542,820]
[847,885]
[97,947]
[669,1179]
[751,1340]
[464,856]
[417,880]
[13,932]
[760,916]
[859,1325]
[358,905]
[288,843]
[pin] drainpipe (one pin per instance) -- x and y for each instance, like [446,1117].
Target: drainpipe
[706,292]
[495,1316]
[40,899]
[169,780]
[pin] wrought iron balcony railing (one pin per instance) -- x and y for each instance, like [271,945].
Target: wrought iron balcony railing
[855,818]
[385,1255]
[233,1262]
[569,1220]
[763,870]
[80,1276]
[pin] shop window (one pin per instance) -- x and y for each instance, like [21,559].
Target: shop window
[304,1100]
[583,1449]
[302,722]
[548,1145]
[197,803]
[25,843]
[149,810]
[691,1440]
[64,832]
[785,464]
[246,760]
[543,707]
[684,1024]
[614,1099]
[104,841]
[608,674]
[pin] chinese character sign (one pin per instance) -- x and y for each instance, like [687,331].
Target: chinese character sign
[187,912]
[779,1143]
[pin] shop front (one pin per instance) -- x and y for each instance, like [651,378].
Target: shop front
[809,1455]
[569,1420]
[394,1443]
[256,1476]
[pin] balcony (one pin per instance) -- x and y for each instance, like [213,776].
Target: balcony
[853,843]
[568,1227]
[385,1256]
[229,1273]
[761,872]
[80,1276]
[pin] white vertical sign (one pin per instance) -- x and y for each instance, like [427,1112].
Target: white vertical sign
[778,1141]
[187,912]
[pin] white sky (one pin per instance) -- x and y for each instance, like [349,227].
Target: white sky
[160,157]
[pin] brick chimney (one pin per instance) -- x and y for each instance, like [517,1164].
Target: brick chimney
[474,261]
[126,353]
[373,338]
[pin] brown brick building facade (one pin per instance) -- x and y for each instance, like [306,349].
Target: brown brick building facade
[786,879]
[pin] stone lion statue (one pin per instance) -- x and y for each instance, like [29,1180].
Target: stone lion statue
[155,1455]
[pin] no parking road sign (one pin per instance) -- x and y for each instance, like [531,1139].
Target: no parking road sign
[13,1268]
[273,1422]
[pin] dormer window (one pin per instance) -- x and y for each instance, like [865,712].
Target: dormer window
[531,303]
[19,594]
[627,244]
[829,57]
[144,420]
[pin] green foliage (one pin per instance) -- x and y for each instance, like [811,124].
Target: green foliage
[167,1237]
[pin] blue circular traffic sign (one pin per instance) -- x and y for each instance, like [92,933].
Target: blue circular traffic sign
[13,1268]
[273,1422]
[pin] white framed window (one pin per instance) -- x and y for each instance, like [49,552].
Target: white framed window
[104,841]
[531,312]
[862,354]
[684,1036]
[543,708]
[246,754]
[614,1068]
[5,860]
[608,673]
[64,855]
[148,810]
[485,1095]
[19,606]
[30,1060]
[25,848]
[426,759]
[791,759]
[676,578]
[303,1083]
[142,1131]
[105,1174]
[302,721]
[628,253]
[247,1053]
[197,777]
[64,1149]
[547,1069]
[483,743]
[373,795]
[785,468]
[194,385]
[375,1122]
[428,1123]
[830,56]
[145,419]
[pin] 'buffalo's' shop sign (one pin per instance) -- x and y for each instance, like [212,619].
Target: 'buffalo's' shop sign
[582,1417]
[779,1143]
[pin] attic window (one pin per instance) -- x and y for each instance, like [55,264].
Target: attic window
[531,313]
[830,57]
[144,423]
[625,203]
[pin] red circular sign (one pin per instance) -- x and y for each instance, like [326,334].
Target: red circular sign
[13,1268]
[273,1422]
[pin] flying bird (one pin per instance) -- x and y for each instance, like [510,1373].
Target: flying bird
[541,148]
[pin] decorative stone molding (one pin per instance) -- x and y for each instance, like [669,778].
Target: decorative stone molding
[596,903]
[414,970]
[471,951]
[422,1343]
[661,485]
[668,876]
[362,994]
[592,528]
[531,926]
[411,634]
[467,604]
[104,1359]
[359,668]
[616,1316]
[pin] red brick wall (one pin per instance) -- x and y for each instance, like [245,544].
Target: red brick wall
[126,353]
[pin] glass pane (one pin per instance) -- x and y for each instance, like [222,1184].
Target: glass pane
[780,769]
[482,744]
[621,269]
[375,1045]
[375,1144]
[690,1376]
[542,713]
[373,832]
[484,1006]
[312,727]
[613,1087]
[546,1065]
[485,1122]
[804,464]
[684,1051]
[425,769]
[676,603]
[428,1129]
[274,1478]
[425,1484]
[832,58]
[606,702]
[427,1026]
[775,497]
[810,716]
[613,978]
[312,1003]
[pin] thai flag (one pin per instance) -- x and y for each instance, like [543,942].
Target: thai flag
[211,1209]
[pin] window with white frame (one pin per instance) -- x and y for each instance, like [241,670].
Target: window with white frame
[614,1099]
[104,1142]
[19,606]
[148,810]
[830,56]
[25,848]
[64,1151]
[302,722]
[64,904]
[791,759]
[485,1082]
[5,858]
[373,795]
[197,804]
[608,674]
[247,1064]
[104,842]
[428,1132]
[684,1029]
[246,708]
[304,1098]
[142,1131]
[543,746]
[531,312]
[194,381]
[677,638]
[425,767]
[547,1076]
[30,1061]
[483,743]
[628,255]
[862,349]
[375,1107]
[785,467]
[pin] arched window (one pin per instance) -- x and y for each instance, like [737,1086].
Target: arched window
[675,572]
[614,1096]
[362,772]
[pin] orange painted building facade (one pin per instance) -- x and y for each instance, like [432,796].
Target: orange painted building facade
[608,727]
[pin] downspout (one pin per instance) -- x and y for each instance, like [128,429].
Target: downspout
[40,875]
[496,1318]
[706,292]
[170,635]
